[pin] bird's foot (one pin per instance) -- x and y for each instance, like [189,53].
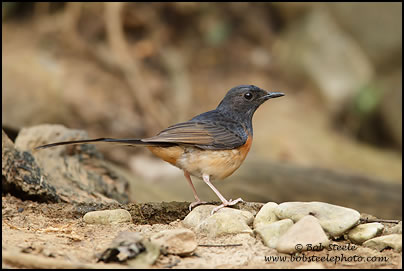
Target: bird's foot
[196,203]
[226,203]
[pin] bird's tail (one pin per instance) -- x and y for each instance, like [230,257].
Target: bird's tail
[108,140]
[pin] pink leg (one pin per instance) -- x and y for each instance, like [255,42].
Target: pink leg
[197,200]
[225,202]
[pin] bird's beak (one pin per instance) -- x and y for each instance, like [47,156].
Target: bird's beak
[271,95]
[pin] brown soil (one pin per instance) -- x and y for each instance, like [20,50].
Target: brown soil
[56,235]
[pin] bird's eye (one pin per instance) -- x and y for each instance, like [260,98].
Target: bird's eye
[248,95]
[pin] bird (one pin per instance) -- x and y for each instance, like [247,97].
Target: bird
[210,146]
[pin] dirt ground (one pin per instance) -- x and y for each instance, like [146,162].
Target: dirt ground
[64,67]
[58,237]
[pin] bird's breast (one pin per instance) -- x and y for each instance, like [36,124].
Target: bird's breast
[218,164]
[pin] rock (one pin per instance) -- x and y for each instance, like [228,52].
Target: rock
[225,221]
[126,245]
[364,232]
[22,175]
[270,233]
[6,143]
[146,259]
[266,214]
[177,241]
[334,219]
[197,215]
[393,241]
[132,248]
[77,172]
[306,234]
[108,217]
[252,207]
[395,229]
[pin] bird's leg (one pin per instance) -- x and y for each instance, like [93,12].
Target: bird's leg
[197,200]
[224,201]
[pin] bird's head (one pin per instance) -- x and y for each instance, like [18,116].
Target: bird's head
[245,99]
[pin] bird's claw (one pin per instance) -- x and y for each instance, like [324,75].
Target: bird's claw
[225,204]
[196,203]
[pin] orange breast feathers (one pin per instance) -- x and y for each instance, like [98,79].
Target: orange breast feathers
[218,164]
[168,154]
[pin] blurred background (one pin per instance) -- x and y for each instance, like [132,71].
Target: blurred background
[128,70]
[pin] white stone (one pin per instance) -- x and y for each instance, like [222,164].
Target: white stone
[379,243]
[334,219]
[266,214]
[197,215]
[270,233]
[364,232]
[305,234]
[108,217]
[177,241]
[225,221]
[395,229]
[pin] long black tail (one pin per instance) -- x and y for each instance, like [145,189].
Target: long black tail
[108,140]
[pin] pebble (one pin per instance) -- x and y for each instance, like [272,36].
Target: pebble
[393,241]
[306,234]
[266,215]
[364,232]
[270,233]
[131,248]
[108,217]
[177,241]
[334,219]
[197,215]
[126,245]
[225,221]
[395,229]
[147,258]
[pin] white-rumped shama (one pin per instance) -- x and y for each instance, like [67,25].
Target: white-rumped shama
[211,145]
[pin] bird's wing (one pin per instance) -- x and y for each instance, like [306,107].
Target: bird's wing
[201,134]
